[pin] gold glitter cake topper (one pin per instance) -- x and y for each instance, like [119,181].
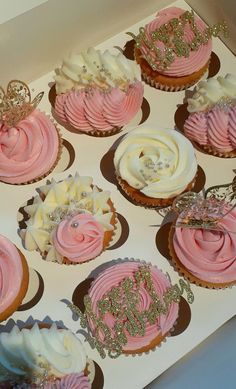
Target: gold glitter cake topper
[196,211]
[171,35]
[122,303]
[16,103]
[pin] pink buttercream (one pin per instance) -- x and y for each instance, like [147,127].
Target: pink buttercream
[28,150]
[209,255]
[215,128]
[181,66]
[96,109]
[71,381]
[79,238]
[111,278]
[11,273]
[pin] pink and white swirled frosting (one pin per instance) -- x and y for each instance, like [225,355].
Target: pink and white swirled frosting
[79,238]
[113,277]
[97,109]
[209,255]
[29,149]
[71,381]
[11,273]
[182,66]
[212,119]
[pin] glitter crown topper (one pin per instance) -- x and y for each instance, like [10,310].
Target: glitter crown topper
[206,212]
[16,103]
[123,302]
[171,34]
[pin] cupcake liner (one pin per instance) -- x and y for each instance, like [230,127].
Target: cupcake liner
[36,179]
[212,151]
[101,133]
[170,88]
[22,291]
[160,338]
[183,271]
[148,202]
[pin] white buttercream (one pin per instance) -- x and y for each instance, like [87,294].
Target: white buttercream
[72,195]
[210,92]
[95,69]
[160,163]
[23,353]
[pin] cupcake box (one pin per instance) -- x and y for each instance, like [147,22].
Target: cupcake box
[85,154]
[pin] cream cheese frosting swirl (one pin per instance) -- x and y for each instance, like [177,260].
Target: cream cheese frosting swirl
[160,163]
[30,352]
[208,254]
[181,66]
[11,273]
[112,277]
[52,210]
[28,150]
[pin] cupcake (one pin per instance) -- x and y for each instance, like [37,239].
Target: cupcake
[154,165]
[43,358]
[203,243]
[29,140]
[127,309]
[70,221]
[211,123]
[97,93]
[14,278]
[174,49]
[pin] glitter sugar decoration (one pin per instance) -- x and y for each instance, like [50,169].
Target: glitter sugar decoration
[171,34]
[206,212]
[16,103]
[122,303]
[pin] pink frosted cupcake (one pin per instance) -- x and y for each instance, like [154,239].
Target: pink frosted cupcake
[174,49]
[29,141]
[14,278]
[203,243]
[212,119]
[125,300]
[97,93]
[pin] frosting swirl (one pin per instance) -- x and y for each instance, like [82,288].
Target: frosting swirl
[112,277]
[95,69]
[11,273]
[29,149]
[181,66]
[160,163]
[94,109]
[208,255]
[71,381]
[28,351]
[61,201]
[79,238]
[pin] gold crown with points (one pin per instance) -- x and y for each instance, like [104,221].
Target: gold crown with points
[16,103]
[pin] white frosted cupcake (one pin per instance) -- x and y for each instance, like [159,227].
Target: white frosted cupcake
[155,165]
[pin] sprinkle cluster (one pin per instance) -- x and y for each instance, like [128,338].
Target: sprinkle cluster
[122,302]
[171,34]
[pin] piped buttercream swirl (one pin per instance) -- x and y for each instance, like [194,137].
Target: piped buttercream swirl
[160,163]
[181,66]
[71,381]
[60,201]
[28,150]
[113,277]
[208,254]
[11,273]
[31,352]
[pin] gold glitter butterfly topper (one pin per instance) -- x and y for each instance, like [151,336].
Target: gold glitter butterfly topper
[172,36]
[196,211]
[16,103]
